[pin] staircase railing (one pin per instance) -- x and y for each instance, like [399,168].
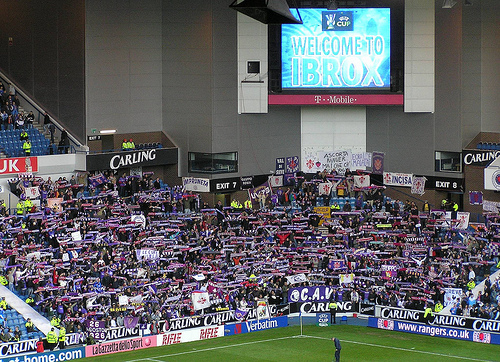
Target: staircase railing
[31,105]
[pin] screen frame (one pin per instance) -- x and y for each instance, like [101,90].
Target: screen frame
[396,56]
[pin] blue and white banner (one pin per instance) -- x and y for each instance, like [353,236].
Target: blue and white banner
[434,331]
[9,350]
[440,320]
[292,164]
[255,326]
[398,179]
[196,184]
[64,355]
[361,160]
[298,278]
[452,296]
[310,294]
[280,166]
[147,254]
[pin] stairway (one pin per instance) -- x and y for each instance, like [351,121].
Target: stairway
[39,127]
[25,310]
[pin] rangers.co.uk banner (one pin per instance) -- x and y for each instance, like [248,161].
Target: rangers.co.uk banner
[476,324]
[434,331]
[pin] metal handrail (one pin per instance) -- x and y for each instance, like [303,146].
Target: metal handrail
[76,144]
[110,150]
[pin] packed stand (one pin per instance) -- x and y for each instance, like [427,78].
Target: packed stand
[87,249]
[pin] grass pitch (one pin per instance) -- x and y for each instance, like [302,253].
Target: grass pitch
[286,344]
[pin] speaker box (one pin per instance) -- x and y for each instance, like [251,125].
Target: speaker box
[253,66]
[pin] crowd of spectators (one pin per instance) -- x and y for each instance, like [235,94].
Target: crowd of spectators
[115,246]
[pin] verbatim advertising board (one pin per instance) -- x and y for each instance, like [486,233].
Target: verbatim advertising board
[255,326]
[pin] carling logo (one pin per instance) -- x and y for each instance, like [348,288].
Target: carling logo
[337,21]
[385,324]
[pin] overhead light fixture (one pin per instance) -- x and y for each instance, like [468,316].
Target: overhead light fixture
[332,5]
[107,131]
[448,4]
[267,11]
[468,3]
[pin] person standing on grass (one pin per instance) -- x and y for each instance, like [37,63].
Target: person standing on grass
[338,347]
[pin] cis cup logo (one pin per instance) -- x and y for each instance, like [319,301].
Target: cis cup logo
[337,21]
[323,320]
[344,21]
[330,21]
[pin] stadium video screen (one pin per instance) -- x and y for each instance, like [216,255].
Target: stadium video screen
[337,49]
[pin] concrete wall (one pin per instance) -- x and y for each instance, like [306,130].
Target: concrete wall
[265,137]
[252,46]
[448,79]
[490,65]
[331,129]
[47,55]
[407,139]
[419,56]
[123,65]
[200,91]
[188,88]
[471,73]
